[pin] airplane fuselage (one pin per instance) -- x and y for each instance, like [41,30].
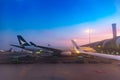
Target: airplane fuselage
[32,48]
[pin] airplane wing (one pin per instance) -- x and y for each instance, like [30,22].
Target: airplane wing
[115,57]
[48,48]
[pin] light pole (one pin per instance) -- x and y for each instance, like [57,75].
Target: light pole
[89,31]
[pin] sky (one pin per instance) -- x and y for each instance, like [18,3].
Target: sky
[56,22]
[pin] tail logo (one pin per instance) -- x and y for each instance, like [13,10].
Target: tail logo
[22,42]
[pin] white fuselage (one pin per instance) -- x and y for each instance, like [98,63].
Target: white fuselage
[31,48]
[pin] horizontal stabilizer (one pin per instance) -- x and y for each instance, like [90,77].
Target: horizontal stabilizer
[16,46]
[33,44]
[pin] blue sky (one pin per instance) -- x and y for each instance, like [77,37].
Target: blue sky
[56,21]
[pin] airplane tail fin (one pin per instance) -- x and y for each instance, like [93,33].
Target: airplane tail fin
[22,41]
[77,48]
[75,44]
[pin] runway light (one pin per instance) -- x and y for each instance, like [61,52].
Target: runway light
[99,46]
[39,52]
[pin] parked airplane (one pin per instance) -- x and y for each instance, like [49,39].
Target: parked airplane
[108,46]
[56,51]
[45,51]
[26,46]
[95,54]
[4,51]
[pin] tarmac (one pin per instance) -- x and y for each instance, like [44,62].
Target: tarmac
[93,68]
[59,71]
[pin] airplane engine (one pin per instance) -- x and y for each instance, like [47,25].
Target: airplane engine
[111,45]
[107,46]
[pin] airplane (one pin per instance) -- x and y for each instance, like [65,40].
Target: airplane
[45,51]
[23,44]
[107,46]
[4,51]
[55,51]
[115,57]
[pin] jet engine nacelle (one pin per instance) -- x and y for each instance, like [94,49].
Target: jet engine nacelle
[111,45]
